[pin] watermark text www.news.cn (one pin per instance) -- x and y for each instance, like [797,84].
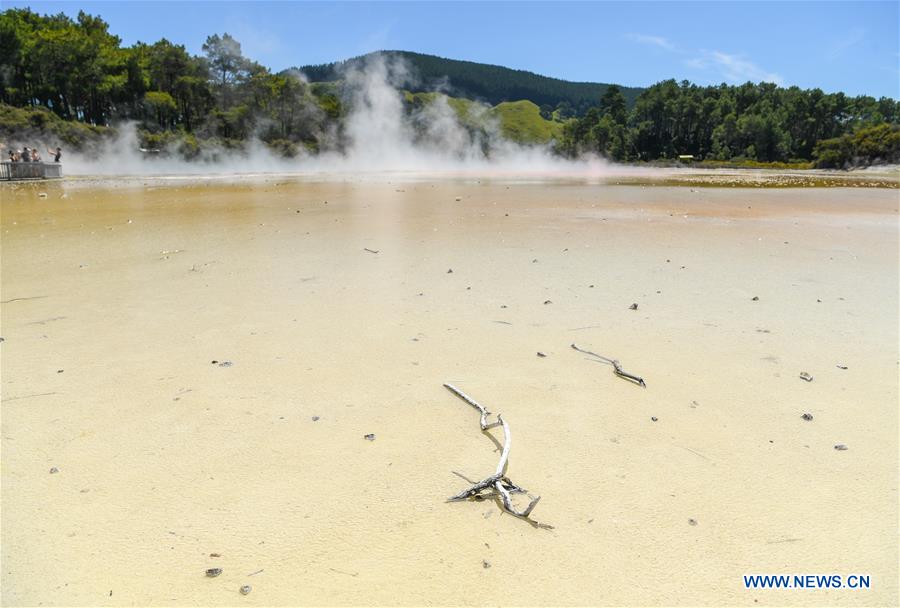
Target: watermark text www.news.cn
[807,581]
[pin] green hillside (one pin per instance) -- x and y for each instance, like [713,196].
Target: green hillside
[519,121]
[490,83]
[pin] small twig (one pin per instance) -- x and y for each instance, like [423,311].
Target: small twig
[484,413]
[27,396]
[369,250]
[617,368]
[23,299]
[462,476]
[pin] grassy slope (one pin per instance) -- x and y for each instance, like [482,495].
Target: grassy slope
[519,121]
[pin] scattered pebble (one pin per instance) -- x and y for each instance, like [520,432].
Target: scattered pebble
[59,371]
[692,521]
[370,437]
[215,555]
[213,572]
[42,195]
[540,354]
[755,298]
[450,271]
[315,418]
[633,306]
[807,417]
[246,589]
[805,376]
[839,366]
[485,564]
[654,418]
[548,302]
[458,198]
[53,470]
[840,447]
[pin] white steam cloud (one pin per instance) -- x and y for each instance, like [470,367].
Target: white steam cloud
[377,136]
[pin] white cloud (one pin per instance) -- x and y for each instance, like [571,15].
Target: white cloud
[853,37]
[737,69]
[379,39]
[256,44]
[658,41]
[732,68]
[698,63]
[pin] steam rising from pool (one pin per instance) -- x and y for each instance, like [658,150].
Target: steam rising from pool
[378,137]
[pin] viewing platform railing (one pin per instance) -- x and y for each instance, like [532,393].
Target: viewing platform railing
[22,170]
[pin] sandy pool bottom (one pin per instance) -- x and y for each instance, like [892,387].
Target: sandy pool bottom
[116,301]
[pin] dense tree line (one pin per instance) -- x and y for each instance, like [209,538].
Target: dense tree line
[759,122]
[78,71]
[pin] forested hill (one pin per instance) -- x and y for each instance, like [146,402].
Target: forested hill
[491,83]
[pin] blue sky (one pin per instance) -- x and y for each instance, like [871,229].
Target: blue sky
[837,46]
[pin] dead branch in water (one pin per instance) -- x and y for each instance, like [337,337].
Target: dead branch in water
[617,368]
[497,485]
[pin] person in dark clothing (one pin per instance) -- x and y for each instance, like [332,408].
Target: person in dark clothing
[56,155]
[26,155]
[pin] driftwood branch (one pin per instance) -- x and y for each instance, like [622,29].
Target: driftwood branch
[497,485]
[616,367]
